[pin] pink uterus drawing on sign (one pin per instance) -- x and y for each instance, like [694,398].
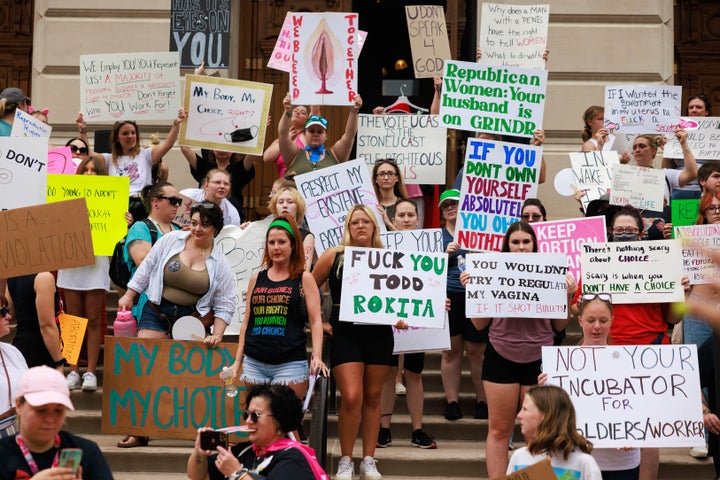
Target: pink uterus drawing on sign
[323,56]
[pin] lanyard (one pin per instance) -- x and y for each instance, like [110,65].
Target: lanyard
[29,458]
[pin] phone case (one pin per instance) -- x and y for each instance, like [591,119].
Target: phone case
[210,439]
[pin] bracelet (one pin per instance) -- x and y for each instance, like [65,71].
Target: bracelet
[82,130]
[60,362]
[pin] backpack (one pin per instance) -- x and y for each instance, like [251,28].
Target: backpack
[119,270]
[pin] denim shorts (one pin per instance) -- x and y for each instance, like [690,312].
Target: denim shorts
[256,372]
[152,321]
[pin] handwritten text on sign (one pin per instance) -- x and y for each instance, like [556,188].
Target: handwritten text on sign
[23,171]
[416,142]
[636,396]
[425,240]
[131,86]
[642,108]
[26,125]
[383,286]
[428,39]
[200,32]
[704,141]
[516,285]
[593,173]
[634,272]
[698,267]
[486,98]
[497,178]
[641,187]
[514,35]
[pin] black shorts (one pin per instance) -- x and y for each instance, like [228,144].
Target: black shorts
[460,324]
[414,362]
[498,369]
[369,344]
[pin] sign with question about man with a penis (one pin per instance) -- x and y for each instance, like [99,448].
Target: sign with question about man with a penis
[226,114]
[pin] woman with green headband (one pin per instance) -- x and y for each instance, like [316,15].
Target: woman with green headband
[281,298]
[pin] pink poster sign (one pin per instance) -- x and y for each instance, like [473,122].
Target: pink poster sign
[60,160]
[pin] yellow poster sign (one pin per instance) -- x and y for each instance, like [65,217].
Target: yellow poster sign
[72,332]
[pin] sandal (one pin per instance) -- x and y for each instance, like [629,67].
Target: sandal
[131,441]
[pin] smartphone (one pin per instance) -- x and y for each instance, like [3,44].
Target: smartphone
[70,458]
[210,439]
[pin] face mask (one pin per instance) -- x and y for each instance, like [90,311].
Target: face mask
[241,135]
[625,237]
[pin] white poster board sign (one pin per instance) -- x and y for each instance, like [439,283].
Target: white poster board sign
[383,286]
[417,143]
[130,86]
[514,35]
[634,272]
[421,240]
[703,140]
[631,396]
[699,268]
[516,285]
[642,108]
[593,173]
[641,187]
[23,171]
[26,125]
[428,39]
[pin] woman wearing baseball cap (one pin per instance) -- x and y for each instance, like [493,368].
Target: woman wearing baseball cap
[11,99]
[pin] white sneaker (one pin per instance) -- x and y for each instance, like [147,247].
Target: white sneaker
[73,381]
[368,469]
[400,389]
[89,383]
[699,452]
[345,470]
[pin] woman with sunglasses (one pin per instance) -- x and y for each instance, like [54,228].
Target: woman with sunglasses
[216,188]
[389,188]
[79,150]
[533,210]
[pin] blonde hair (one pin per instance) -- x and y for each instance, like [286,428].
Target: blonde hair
[375,241]
[299,201]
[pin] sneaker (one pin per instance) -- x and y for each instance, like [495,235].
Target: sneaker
[89,382]
[481,411]
[699,452]
[345,469]
[73,381]
[400,389]
[384,438]
[452,411]
[421,439]
[368,469]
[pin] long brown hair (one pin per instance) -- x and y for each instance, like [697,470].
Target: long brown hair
[589,114]
[297,256]
[115,146]
[399,189]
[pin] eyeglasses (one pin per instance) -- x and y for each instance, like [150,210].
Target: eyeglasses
[712,209]
[623,230]
[386,174]
[255,416]
[4,311]
[533,216]
[76,149]
[174,201]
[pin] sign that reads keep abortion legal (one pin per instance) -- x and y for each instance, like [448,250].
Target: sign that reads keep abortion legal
[416,142]
[487,98]
[634,272]
[698,267]
[200,32]
[568,237]
[383,286]
[423,240]
[226,114]
[428,39]
[525,285]
[631,396]
[329,193]
[593,173]
[497,178]
[642,108]
[26,125]
[641,187]
[703,139]
[130,86]
[23,171]
[514,35]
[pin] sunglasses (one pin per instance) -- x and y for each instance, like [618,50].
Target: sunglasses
[206,205]
[4,311]
[533,216]
[174,201]
[605,297]
[318,118]
[76,149]
[255,416]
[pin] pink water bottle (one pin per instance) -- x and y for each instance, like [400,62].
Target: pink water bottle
[125,325]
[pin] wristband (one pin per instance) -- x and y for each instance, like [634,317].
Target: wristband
[60,362]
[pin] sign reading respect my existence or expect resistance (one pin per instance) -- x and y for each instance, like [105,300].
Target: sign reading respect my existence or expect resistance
[514,35]
[642,108]
[200,32]
[429,41]
[631,396]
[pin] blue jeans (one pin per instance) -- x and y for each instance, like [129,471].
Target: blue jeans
[163,323]
[695,331]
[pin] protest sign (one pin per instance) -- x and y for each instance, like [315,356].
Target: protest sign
[226,114]
[486,98]
[416,142]
[60,160]
[324,58]
[166,388]
[107,202]
[593,173]
[72,332]
[541,470]
[130,86]
[384,286]
[45,237]
[684,211]
[26,125]
[517,285]
[200,32]
[428,39]
[514,35]
[182,216]
[703,140]
[420,339]
[641,187]
[631,396]
[497,178]
[329,193]
[642,108]
[421,240]
[697,266]
[568,237]
[23,171]
[634,272]
[244,250]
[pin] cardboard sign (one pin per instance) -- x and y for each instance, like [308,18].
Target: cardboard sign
[416,142]
[60,160]
[130,86]
[182,216]
[542,470]
[329,193]
[107,202]
[514,35]
[486,98]
[704,140]
[421,240]
[428,39]
[634,272]
[200,32]
[23,171]
[631,396]
[516,285]
[697,266]
[166,388]
[684,212]
[497,178]
[642,108]
[26,125]
[641,187]
[384,286]
[72,332]
[593,173]
[45,237]
[226,114]
[568,236]
[324,58]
